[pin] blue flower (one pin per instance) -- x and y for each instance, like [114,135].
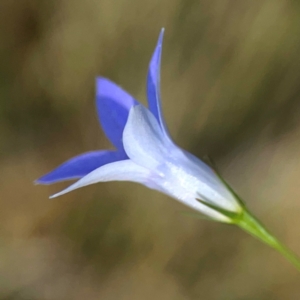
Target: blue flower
[145,152]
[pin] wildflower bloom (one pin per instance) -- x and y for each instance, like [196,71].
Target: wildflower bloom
[145,152]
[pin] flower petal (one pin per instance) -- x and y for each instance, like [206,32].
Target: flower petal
[125,170]
[113,105]
[153,85]
[143,140]
[81,165]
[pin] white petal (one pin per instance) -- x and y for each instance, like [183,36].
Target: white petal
[125,170]
[143,139]
[184,187]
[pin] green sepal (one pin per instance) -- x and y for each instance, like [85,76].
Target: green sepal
[212,164]
[233,216]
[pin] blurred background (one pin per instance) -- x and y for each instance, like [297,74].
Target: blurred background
[230,89]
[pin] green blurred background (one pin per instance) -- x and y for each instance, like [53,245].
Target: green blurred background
[230,88]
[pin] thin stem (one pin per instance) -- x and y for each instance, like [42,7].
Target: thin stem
[250,224]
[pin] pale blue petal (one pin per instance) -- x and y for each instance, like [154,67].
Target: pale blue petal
[113,105]
[153,85]
[144,142]
[125,170]
[201,164]
[81,165]
[188,178]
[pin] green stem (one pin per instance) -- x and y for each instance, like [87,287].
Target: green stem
[251,225]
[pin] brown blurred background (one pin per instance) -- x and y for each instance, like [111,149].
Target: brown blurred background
[230,87]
